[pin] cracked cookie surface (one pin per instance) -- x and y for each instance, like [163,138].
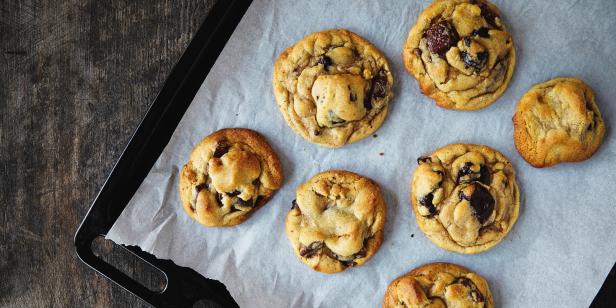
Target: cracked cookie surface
[460,53]
[438,285]
[333,87]
[336,221]
[558,121]
[465,197]
[230,174]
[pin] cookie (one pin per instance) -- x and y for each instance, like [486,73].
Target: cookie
[465,197]
[558,121]
[333,87]
[336,221]
[230,174]
[438,285]
[460,53]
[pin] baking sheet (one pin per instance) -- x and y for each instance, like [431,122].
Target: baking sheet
[557,255]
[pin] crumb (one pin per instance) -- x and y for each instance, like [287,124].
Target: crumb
[381,153]
[412,234]
[375,135]
[236,114]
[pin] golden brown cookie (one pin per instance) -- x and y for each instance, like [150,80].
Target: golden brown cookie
[558,121]
[336,221]
[465,197]
[439,285]
[230,174]
[333,87]
[460,53]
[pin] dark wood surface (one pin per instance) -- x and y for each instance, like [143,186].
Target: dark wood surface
[76,77]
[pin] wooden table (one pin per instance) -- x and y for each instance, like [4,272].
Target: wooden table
[76,77]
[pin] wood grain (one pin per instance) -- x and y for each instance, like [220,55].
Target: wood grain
[76,77]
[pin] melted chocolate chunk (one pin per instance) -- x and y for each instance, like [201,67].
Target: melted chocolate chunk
[481,202]
[379,85]
[311,250]
[441,36]
[222,147]
[467,41]
[475,294]
[484,175]
[294,204]
[367,103]
[316,132]
[426,201]
[424,159]
[477,62]
[417,52]
[233,193]
[234,209]
[326,61]
[488,14]
[481,32]
[201,187]
[256,182]
[241,202]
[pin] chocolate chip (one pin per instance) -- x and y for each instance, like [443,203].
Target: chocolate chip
[476,63]
[326,61]
[222,147]
[233,193]
[441,36]
[424,159]
[256,182]
[426,201]
[310,250]
[481,32]
[201,187]
[316,132]
[488,14]
[234,209]
[348,263]
[352,96]
[294,204]
[481,202]
[417,52]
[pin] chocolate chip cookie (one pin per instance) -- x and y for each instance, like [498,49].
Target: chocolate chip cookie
[230,174]
[558,121]
[465,197]
[439,285]
[460,53]
[333,87]
[336,221]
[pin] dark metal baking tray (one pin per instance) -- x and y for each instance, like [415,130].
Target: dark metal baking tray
[184,286]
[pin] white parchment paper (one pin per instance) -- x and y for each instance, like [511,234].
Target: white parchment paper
[557,255]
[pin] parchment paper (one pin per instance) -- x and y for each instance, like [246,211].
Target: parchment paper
[557,255]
